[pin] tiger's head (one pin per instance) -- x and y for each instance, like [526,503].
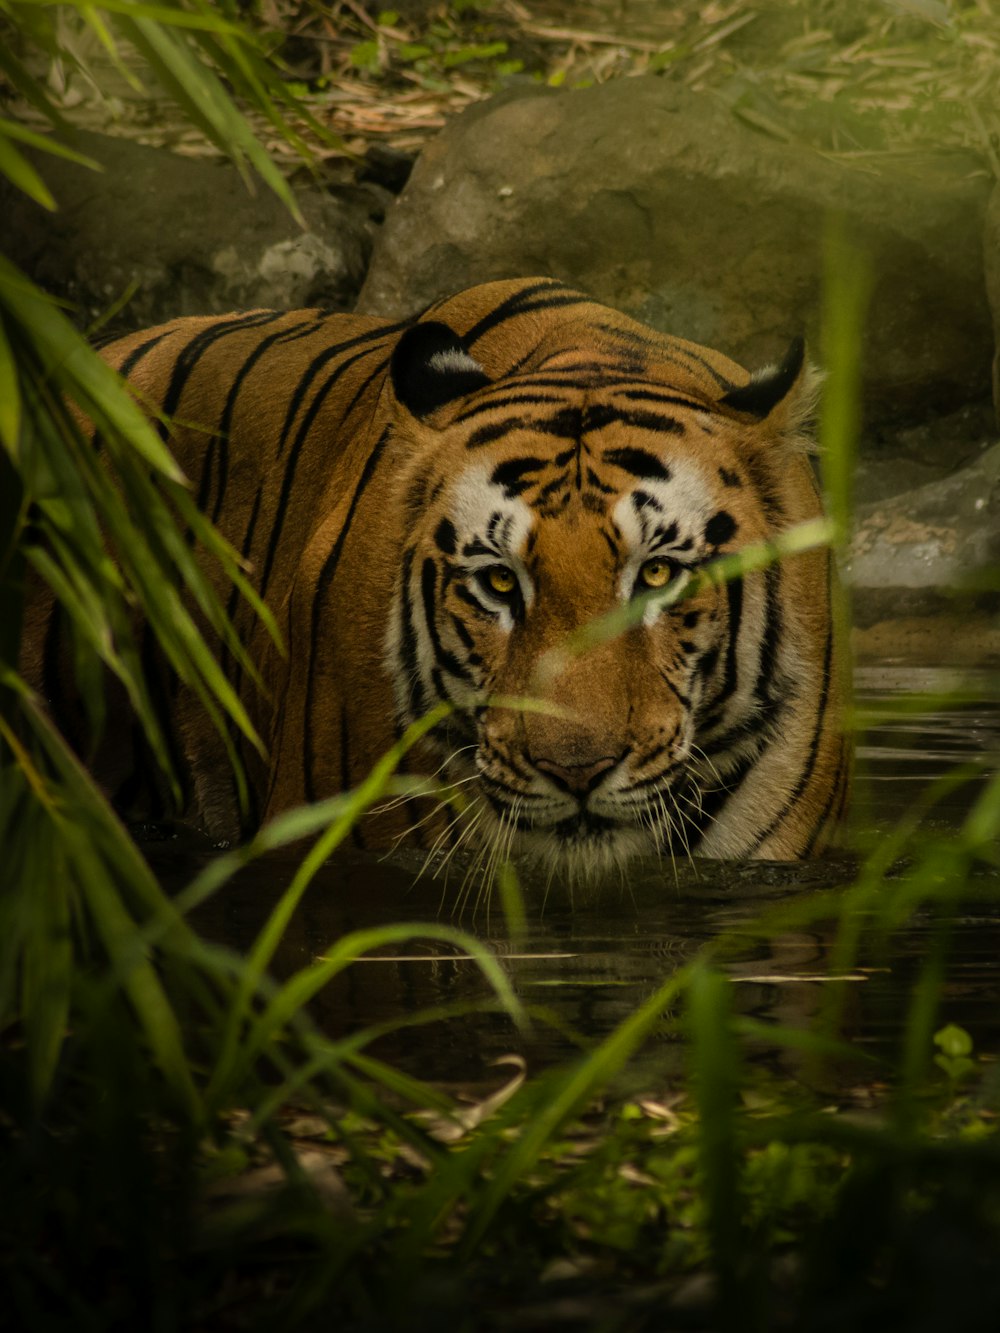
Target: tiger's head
[541,499]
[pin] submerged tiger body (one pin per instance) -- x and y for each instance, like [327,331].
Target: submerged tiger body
[430,509]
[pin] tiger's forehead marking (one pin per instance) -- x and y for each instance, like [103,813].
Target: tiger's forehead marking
[666,511]
[588,449]
[489,520]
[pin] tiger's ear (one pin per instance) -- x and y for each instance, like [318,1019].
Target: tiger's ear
[784,395]
[431,366]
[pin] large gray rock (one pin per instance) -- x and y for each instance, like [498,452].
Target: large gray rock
[923,569]
[920,548]
[187,231]
[659,202]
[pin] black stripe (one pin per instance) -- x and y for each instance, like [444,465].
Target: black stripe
[770,642]
[564,424]
[161,684]
[461,629]
[221,435]
[661,396]
[445,536]
[601,415]
[323,359]
[495,430]
[838,793]
[611,543]
[195,348]
[715,706]
[592,371]
[763,482]
[494,402]
[810,764]
[704,814]
[688,356]
[442,655]
[523,302]
[682,699]
[462,591]
[408,643]
[594,481]
[137,353]
[639,462]
[772,697]
[288,476]
[323,582]
[510,475]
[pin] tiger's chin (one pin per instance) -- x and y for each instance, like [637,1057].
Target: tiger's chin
[583,850]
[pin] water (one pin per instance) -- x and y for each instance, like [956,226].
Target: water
[585,965]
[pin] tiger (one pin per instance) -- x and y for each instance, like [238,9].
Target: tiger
[434,508]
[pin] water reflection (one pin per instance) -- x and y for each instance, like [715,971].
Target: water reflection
[585,964]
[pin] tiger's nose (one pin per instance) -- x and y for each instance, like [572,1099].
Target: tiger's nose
[580,779]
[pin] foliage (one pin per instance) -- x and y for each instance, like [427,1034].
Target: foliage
[199,53]
[107,530]
[870,82]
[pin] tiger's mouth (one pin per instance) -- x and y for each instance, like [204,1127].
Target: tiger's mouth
[585,827]
[586,833]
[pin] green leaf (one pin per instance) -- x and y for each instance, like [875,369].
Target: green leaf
[10,398]
[664,59]
[956,1067]
[198,92]
[169,15]
[715,1066]
[953,1041]
[365,55]
[21,173]
[47,144]
[465,54]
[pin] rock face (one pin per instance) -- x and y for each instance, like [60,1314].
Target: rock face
[922,567]
[187,232]
[659,202]
[932,549]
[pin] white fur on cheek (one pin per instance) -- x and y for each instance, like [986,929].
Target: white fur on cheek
[683,500]
[475,500]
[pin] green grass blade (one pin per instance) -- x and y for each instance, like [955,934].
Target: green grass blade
[197,90]
[569,1094]
[846,291]
[714,1067]
[10,398]
[19,171]
[45,143]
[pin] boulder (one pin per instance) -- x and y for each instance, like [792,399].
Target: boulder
[658,201]
[187,231]
[923,567]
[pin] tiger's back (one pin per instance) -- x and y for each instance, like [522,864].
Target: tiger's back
[430,509]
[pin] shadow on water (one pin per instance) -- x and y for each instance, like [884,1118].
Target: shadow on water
[585,965]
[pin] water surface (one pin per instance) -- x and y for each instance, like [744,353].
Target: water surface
[585,962]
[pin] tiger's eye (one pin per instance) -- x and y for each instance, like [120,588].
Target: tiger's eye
[501,580]
[655,573]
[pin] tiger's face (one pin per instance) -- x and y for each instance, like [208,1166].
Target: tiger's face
[539,506]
